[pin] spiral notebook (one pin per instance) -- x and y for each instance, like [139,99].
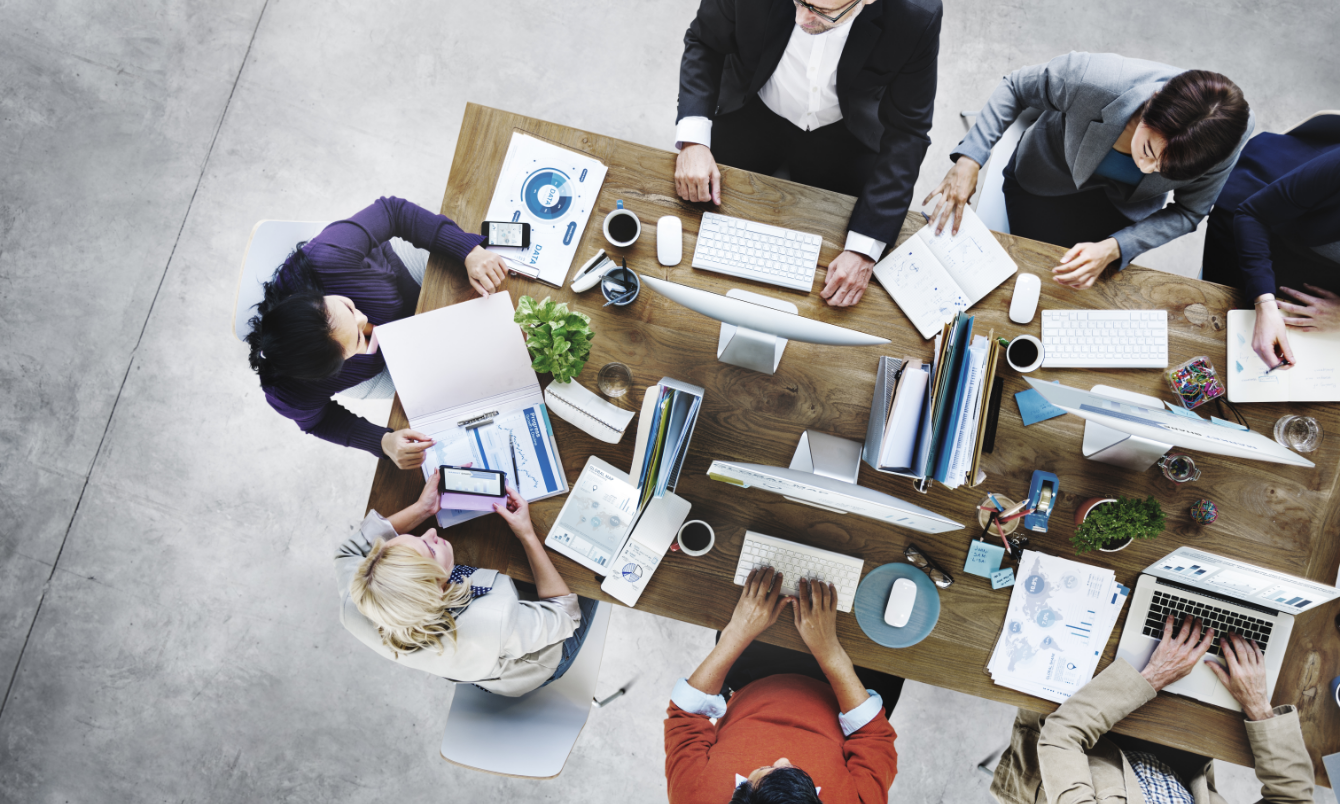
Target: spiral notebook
[575,404]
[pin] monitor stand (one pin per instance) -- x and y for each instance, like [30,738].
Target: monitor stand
[749,348]
[828,455]
[1105,445]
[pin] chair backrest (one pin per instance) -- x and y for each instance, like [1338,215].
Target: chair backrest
[990,203]
[533,735]
[1321,125]
[268,246]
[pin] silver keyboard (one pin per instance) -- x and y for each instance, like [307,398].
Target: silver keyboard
[1104,339]
[796,561]
[770,254]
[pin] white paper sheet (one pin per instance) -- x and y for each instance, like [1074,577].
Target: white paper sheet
[1314,378]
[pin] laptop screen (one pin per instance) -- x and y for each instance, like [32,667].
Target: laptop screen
[1246,582]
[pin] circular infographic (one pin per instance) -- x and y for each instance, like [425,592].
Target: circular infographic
[631,572]
[548,193]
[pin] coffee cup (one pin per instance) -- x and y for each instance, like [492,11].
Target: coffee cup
[1335,690]
[695,538]
[622,227]
[1024,354]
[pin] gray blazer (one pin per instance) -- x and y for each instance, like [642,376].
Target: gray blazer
[504,644]
[1086,99]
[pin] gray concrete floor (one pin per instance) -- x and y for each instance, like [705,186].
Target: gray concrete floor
[167,613]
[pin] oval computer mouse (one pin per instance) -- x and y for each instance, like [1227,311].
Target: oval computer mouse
[669,240]
[902,599]
[1027,289]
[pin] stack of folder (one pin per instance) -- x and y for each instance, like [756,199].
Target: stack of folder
[926,420]
[669,413]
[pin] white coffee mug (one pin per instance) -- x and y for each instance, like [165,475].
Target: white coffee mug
[618,212]
[1009,354]
[711,538]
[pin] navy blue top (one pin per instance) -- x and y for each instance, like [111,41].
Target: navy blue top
[353,258]
[1119,167]
[1286,186]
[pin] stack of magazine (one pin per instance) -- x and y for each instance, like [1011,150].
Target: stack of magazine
[926,421]
[1060,617]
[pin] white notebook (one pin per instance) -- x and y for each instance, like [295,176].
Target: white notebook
[1315,376]
[577,405]
[933,277]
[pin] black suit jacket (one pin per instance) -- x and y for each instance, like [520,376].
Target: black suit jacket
[885,85]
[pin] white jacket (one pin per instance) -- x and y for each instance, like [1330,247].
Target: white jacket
[504,644]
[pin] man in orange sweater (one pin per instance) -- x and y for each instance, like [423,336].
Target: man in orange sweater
[837,732]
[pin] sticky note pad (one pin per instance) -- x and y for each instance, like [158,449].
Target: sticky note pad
[1002,578]
[1228,424]
[1033,408]
[1181,411]
[983,558]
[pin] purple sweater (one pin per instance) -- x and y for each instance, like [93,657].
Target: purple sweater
[353,258]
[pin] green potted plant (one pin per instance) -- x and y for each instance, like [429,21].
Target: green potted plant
[1109,524]
[559,339]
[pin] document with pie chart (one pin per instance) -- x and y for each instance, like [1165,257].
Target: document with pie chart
[554,190]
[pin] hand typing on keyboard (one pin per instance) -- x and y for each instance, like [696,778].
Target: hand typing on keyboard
[1176,656]
[816,620]
[759,606]
[1245,676]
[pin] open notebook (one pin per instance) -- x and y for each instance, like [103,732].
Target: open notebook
[933,277]
[1314,378]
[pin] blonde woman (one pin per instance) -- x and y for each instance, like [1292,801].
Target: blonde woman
[405,597]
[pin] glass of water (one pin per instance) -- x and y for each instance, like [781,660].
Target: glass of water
[1298,433]
[614,380]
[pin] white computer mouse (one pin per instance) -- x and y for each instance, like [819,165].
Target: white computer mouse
[1024,303]
[902,599]
[669,240]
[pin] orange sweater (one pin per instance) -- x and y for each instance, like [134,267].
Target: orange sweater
[788,716]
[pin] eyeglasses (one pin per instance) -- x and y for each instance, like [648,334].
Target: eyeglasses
[919,560]
[822,13]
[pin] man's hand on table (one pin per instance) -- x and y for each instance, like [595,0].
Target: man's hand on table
[848,277]
[486,270]
[1082,265]
[406,447]
[1245,677]
[1319,312]
[1177,654]
[697,177]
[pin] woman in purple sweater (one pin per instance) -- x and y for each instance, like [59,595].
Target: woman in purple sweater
[313,335]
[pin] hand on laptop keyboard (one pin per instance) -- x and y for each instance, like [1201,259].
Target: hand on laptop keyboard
[1176,655]
[1245,677]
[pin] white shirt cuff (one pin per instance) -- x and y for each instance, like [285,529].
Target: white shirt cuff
[693,130]
[695,701]
[861,244]
[853,721]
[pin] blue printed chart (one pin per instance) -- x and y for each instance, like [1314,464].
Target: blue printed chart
[554,190]
[1060,616]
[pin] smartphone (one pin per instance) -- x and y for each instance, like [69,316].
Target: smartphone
[481,482]
[506,233]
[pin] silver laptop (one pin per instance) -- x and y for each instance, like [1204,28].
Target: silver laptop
[1228,595]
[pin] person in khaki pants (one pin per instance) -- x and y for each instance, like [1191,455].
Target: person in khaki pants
[1069,757]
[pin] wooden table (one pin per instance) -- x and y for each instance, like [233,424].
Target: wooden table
[1283,517]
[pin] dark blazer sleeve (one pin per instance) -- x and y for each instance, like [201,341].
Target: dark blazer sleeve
[707,43]
[1311,186]
[905,111]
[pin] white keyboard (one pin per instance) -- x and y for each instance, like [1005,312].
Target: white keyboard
[796,561]
[1104,339]
[757,251]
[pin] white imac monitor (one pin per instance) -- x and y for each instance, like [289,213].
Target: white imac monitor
[829,494]
[1165,426]
[755,328]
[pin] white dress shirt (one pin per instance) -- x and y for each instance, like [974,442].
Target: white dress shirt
[803,90]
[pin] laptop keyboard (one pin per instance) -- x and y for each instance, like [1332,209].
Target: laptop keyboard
[1220,619]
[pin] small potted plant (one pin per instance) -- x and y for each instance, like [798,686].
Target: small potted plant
[559,339]
[1109,524]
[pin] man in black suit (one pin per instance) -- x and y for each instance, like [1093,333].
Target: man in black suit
[841,92]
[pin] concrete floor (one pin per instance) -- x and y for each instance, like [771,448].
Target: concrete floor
[167,614]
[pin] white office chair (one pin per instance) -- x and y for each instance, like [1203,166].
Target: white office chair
[533,735]
[989,201]
[267,248]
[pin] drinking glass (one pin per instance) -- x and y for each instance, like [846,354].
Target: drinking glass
[614,380]
[1298,433]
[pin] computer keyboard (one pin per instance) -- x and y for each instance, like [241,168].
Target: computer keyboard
[757,251]
[1222,620]
[796,561]
[1104,339]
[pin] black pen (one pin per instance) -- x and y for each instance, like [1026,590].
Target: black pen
[516,479]
[1283,362]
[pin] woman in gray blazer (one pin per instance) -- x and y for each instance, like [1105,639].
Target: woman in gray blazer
[1115,136]
[405,597]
